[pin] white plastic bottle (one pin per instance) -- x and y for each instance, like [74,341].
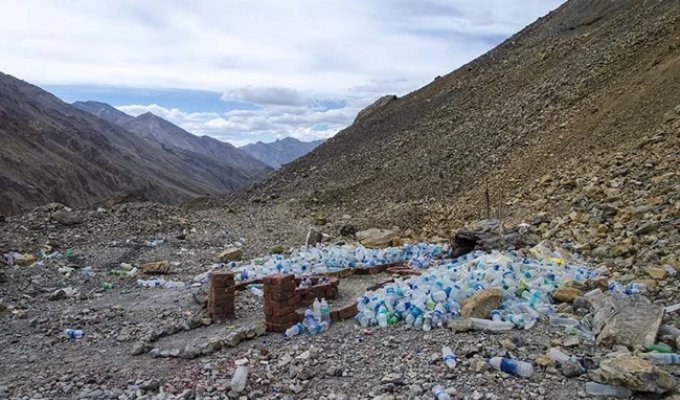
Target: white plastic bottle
[491,326]
[512,367]
[449,357]
[598,389]
[316,307]
[238,381]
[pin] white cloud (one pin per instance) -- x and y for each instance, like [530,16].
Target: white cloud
[285,56]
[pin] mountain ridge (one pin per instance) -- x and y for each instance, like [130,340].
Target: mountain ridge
[281,151]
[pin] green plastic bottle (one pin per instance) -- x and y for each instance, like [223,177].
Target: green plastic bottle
[659,348]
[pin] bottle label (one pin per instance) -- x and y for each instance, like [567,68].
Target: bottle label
[508,366]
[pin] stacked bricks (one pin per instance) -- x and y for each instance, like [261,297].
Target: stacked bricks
[280,302]
[221,297]
[326,291]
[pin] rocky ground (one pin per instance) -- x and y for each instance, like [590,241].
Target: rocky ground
[179,353]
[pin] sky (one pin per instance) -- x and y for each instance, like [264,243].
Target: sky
[247,71]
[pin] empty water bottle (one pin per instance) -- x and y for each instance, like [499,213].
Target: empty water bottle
[325,312]
[439,393]
[316,308]
[238,380]
[491,326]
[512,367]
[449,357]
[669,330]
[295,330]
[256,291]
[557,355]
[311,323]
[598,389]
[74,333]
[663,358]
[562,321]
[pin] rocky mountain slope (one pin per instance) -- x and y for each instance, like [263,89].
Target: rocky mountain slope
[52,151]
[157,129]
[281,151]
[591,80]
[103,111]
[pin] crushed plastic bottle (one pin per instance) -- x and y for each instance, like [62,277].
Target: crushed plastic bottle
[512,367]
[240,377]
[491,326]
[663,358]
[599,389]
[449,357]
[562,321]
[557,355]
[669,330]
[310,323]
[74,333]
[439,393]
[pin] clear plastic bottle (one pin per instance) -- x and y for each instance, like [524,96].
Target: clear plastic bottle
[512,367]
[325,312]
[449,357]
[663,358]
[311,323]
[491,326]
[439,393]
[557,355]
[295,330]
[562,321]
[316,307]
[669,330]
[240,377]
[382,316]
[598,389]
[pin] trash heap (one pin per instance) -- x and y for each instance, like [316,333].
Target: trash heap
[325,259]
[522,284]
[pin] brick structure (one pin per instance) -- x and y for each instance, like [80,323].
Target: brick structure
[221,296]
[280,302]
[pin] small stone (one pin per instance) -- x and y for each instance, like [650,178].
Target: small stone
[157,267]
[656,273]
[460,325]
[482,303]
[571,341]
[544,361]
[313,238]
[230,254]
[140,348]
[566,295]
[25,259]
[571,368]
[507,344]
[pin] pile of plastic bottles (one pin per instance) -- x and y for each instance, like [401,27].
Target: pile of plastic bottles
[317,319]
[160,283]
[431,299]
[323,259]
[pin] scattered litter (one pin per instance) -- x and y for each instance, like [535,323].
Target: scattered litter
[160,283]
[599,389]
[512,367]
[74,333]
[663,358]
[238,380]
[449,357]
[439,393]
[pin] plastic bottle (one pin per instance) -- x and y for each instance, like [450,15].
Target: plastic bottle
[325,312]
[669,330]
[256,291]
[659,348]
[310,323]
[316,307]
[593,293]
[496,315]
[74,333]
[663,358]
[382,316]
[512,367]
[238,380]
[491,326]
[107,285]
[439,393]
[598,389]
[294,330]
[562,322]
[557,355]
[449,357]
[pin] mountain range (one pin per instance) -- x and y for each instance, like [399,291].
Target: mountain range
[281,151]
[52,151]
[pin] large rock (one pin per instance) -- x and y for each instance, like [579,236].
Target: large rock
[313,238]
[67,218]
[230,254]
[631,321]
[566,295]
[482,303]
[634,373]
[375,237]
[157,267]
[25,259]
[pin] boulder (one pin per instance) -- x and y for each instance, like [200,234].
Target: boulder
[67,218]
[230,254]
[632,321]
[482,303]
[25,259]
[157,267]
[376,238]
[566,295]
[313,237]
[634,373]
